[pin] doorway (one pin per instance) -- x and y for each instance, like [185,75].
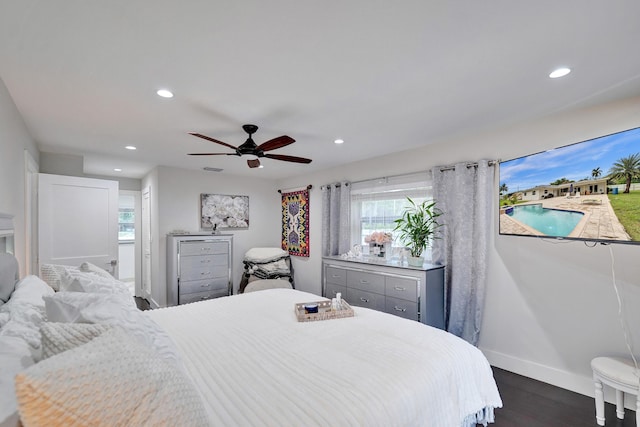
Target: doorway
[129,235]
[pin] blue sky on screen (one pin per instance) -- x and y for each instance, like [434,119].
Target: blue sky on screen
[574,162]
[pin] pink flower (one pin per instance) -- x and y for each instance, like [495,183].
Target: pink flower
[379,237]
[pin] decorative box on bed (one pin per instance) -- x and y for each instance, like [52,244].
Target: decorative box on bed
[415,293]
[198,267]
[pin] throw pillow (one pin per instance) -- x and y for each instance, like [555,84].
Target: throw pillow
[111,380]
[87,267]
[60,337]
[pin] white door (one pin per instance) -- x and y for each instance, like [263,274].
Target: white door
[146,243]
[78,221]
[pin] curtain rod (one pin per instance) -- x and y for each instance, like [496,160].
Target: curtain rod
[288,190]
[337,184]
[469,165]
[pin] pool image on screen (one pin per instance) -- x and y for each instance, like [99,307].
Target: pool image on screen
[588,191]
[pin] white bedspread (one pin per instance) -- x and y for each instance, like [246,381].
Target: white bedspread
[256,365]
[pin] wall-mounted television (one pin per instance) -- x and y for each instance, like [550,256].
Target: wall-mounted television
[587,191]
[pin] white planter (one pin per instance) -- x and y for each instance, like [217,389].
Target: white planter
[415,261]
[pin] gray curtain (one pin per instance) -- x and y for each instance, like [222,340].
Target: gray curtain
[336,201]
[464,194]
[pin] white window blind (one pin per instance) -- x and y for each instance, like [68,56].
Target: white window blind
[377,203]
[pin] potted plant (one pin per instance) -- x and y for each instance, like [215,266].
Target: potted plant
[417,227]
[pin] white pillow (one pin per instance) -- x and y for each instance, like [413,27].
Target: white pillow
[69,306]
[22,316]
[79,281]
[111,380]
[60,337]
[29,291]
[81,307]
[52,274]
[87,267]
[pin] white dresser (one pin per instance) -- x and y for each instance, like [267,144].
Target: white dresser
[409,292]
[198,267]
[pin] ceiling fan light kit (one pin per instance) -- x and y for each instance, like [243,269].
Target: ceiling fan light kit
[249,147]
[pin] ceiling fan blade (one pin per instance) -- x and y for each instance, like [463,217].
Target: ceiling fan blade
[279,142]
[288,158]
[208,138]
[253,163]
[214,154]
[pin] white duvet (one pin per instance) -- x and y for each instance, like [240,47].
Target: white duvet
[256,365]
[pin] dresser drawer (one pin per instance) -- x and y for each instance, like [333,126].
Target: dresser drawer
[200,296]
[402,308]
[365,299]
[203,248]
[363,281]
[331,290]
[203,262]
[399,287]
[337,276]
[204,272]
[194,286]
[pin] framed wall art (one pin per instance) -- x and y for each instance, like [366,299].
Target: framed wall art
[223,211]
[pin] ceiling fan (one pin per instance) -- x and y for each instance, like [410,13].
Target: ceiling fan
[250,147]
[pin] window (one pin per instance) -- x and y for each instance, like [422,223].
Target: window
[376,204]
[126,218]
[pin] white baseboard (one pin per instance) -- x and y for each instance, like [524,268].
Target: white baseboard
[573,382]
[549,375]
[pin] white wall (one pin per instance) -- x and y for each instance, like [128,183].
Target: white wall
[550,307]
[177,194]
[14,139]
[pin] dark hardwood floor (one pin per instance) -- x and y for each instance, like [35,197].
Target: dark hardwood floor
[531,403]
[142,303]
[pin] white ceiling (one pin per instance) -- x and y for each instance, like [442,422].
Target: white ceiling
[384,76]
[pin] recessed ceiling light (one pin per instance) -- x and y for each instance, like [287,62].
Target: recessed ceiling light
[261,167]
[560,72]
[117,170]
[165,93]
[339,141]
[130,147]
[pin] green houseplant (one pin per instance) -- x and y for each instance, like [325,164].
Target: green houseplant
[417,227]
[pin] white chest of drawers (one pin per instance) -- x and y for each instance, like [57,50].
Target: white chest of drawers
[198,267]
[409,292]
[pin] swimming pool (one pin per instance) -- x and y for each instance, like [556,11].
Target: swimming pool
[551,222]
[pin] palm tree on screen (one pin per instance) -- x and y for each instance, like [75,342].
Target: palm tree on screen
[503,188]
[626,168]
[596,172]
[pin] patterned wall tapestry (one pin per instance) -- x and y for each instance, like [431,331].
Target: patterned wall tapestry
[295,222]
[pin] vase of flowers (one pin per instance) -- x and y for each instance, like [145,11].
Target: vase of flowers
[379,244]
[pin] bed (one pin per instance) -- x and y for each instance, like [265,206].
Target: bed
[243,360]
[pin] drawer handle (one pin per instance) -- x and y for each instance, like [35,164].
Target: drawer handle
[396,308]
[335,276]
[205,273]
[364,281]
[205,249]
[204,298]
[205,285]
[204,261]
[399,288]
[364,299]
